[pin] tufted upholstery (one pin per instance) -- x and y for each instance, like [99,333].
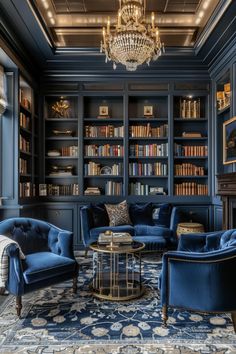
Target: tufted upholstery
[200,274]
[49,254]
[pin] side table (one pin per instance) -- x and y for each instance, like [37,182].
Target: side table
[189,228]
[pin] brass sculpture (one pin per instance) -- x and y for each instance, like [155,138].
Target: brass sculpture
[61,109]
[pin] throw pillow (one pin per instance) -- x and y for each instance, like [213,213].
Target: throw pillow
[141,214]
[161,215]
[99,215]
[212,242]
[118,214]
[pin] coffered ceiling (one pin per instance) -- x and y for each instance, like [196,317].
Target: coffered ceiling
[74,23]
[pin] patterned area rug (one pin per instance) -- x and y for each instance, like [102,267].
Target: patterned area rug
[57,321]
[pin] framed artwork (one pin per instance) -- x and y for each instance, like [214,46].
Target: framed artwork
[229,141]
[103,111]
[148,111]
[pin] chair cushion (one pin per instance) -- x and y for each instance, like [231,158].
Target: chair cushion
[43,265]
[118,214]
[94,233]
[161,214]
[141,214]
[147,230]
[152,243]
[99,215]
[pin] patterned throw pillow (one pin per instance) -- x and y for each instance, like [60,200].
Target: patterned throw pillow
[118,214]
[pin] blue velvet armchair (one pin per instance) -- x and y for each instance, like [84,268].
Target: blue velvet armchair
[49,257]
[200,275]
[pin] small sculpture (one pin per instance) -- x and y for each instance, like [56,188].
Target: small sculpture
[61,109]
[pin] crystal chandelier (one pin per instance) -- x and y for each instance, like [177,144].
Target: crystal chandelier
[133,42]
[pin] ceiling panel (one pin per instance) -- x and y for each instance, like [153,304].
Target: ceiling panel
[79,23]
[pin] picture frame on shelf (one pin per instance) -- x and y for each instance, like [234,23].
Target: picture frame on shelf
[229,141]
[103,112]
[148,111]
[106,170]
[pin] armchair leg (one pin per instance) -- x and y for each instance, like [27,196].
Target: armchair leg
[164,315]
[233,316]
[75,279]
[18,305]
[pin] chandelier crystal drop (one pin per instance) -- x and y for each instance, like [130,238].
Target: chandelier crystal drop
[133,42]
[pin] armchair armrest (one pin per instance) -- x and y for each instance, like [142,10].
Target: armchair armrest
[15,283]
[61,242]
[86,224]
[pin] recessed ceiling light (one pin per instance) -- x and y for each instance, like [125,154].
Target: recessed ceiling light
[49,14]
[52,21]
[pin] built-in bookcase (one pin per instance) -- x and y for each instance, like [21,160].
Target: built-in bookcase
[126,143]
[148,145]
[61,146]
[28,140]
[103,136]
[190,145]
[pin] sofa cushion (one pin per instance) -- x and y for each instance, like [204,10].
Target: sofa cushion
[118,214]
[147,230]
[141,214]
[43,265]
[99,215]
[212,242]
[94,233]
[152,243]
[161,214]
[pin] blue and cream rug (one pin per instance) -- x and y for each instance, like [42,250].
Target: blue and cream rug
[57,321]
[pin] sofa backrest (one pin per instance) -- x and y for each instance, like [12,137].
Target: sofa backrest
[30,234]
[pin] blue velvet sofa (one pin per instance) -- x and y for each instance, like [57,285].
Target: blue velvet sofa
[199,276]
[153,224]
[49,257]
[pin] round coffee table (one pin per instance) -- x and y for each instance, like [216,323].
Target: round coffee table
[116,271]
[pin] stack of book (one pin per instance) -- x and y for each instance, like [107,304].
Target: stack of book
[189,169]
[113,188]
[191,188]
[147,169]
[223,97]
[92,191]
[115,237]
[190,150]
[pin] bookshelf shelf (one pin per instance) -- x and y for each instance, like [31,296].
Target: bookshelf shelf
[224,110]
[64,120]
[61,177]
[62,138]
[190,120]
[61,157]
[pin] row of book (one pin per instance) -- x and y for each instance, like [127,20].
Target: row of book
[190,150]
[149,150]
[191,188]
[24,121]
[24,144]
[104,150]
[27,189]
[57,190]
[189,169]
[223,97]
[95,169]
[148,169]
[190,108]
[144,189]
[145,131]
[113,188]
[23,166]
[24,101]
[104,131]
[69,151]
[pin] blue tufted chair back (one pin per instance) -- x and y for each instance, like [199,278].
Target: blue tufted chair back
[228,239]
[30,234]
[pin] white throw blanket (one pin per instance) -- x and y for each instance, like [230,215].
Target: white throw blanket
[4,243]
